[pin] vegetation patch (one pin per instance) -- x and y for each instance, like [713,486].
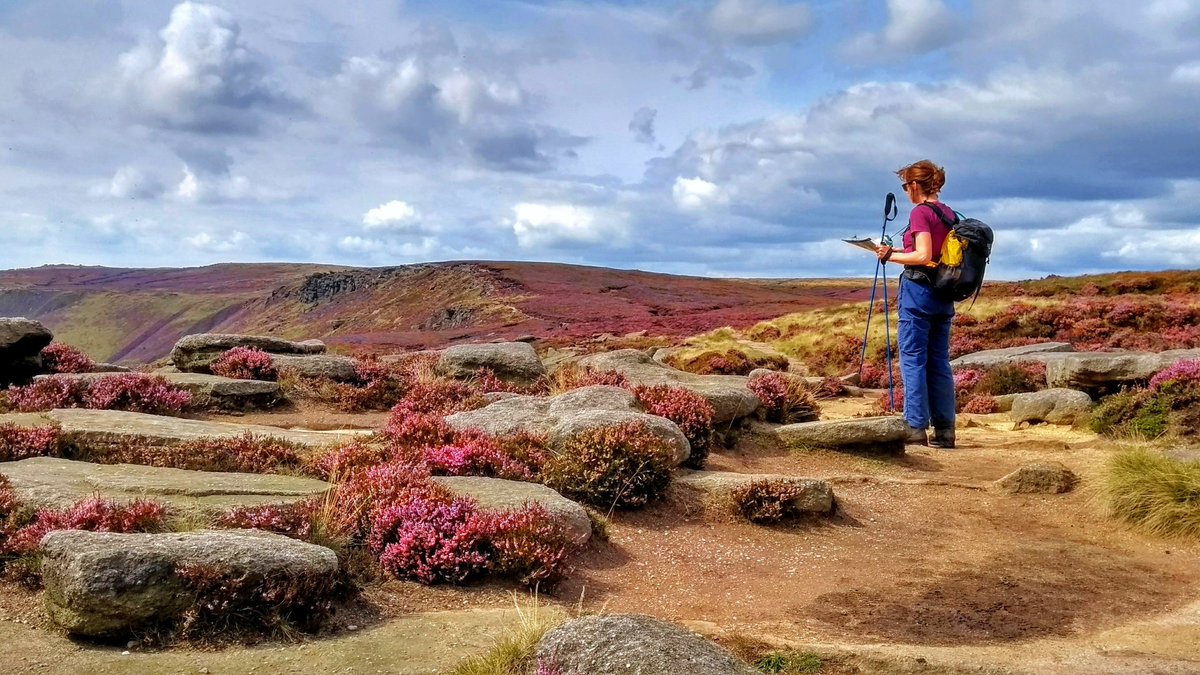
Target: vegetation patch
[1170,406]
[767,502]
[785,399]
[135,392]
[611,467]
[1153,492]
[18,443]
[62,358]
[245,363]
[692,413]
[246,453]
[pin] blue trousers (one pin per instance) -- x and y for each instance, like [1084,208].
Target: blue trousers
[923,338]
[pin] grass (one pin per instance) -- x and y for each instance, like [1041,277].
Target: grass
[1153,492]
[789,662]
[513,653]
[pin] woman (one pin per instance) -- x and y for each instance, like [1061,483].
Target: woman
[924,332]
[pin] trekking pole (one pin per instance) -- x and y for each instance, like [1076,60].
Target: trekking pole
[890,211]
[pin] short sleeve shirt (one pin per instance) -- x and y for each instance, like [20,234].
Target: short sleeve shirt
[923,219]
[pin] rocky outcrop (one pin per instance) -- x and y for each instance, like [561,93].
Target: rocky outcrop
[1102,371]
[867,434]
[1048,478]
[495,494]
[1041,352]
[816,496]
[21,341]
[195,353]
[1054,406]
[208,391]
[104,584]
[59,483]
[336,368]
[623,644]
[730,398]
[565,416]
[514,362]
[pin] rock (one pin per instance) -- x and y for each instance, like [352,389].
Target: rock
[514,362]
[1035,353]
[110,368]
[208,391]
[194,353]
[59,483]
[496,494]
[21,341]
[885,434]
[1048,478]
[817,495]
[84,428]
[105,584]
[336,368]
[566,415]
[730,398]
[1004,402]
[1055,406]
[624,644]
[1096,371]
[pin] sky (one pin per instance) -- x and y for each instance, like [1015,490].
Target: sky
[732,138]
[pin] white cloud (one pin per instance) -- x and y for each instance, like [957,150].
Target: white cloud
[697,194]
[394,215]
[1187,73]
[129,183]
[759,21]
[547,225]
[913,27]
[224,243]
[354,244]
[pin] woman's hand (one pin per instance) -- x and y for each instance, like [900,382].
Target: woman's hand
[883,253]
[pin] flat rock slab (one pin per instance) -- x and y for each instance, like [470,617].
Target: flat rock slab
[195,353]
[1104,370]
[817,495]
[105,584]
[885,434]
[1049,478]
[1036,353]
[206,390]
[730,398]
[59,483]
[624,644]
[515,362]
[1053,406]
[336,368]
[497,494]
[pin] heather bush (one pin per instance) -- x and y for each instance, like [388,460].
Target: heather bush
[336,462]
[61,358]
[875,375]
[485,381]
[19,442]
[768,501]
[220,602]
[246,453]
[136,392]
[294,520]
[981,404]
[48,394]
[528,545]
[1114,414]
[1179,375]
[430,540]
[245,363]
[571,376]
[727,362]
[620,466]
[692,413]
[408,429]
[892,406]
[475,455]
[95,514]
[1011,378]
[785,399]
[830,387]
[1171,406]
[13,517]
[440,396]
[362,493]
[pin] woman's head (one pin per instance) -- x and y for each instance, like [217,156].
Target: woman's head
[922,180]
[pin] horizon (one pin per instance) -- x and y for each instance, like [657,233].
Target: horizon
[725,139]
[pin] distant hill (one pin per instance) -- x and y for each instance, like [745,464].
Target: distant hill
[136,315]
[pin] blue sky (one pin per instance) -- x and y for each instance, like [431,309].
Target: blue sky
[720,138]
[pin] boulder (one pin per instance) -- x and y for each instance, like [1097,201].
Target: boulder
[884,434]
[624,644]
[496,494]
[1055,406]
[208,391]
[59,483]
[1103,371]
[1004,402]
[566,415]
[514,362]
[817,495]
[1035,353]
[1048,478]
[194,353]
[21,341]
[730,398]
[105,584]
[336,368]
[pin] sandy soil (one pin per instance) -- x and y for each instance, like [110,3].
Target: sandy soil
[924,568]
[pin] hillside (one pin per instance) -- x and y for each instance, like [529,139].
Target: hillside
[135,315]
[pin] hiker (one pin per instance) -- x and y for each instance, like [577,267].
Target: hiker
[924,324]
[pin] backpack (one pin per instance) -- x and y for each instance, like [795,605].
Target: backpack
[964,257]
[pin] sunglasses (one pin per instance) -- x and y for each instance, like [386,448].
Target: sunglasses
[904,185]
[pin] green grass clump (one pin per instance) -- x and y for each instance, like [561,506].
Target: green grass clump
[1156,493]
[513,653]
[789,663]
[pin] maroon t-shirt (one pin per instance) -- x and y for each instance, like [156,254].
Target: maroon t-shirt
[923,219]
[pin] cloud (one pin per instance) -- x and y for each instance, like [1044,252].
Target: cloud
[696,194]
[199,76]
[394,215]
[549,225]
[219,243]
[759,22]
[913,27]
[129,183]
[642,125]
[1187,73]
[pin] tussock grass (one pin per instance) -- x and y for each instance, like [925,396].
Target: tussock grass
[513,652]
[1153,492]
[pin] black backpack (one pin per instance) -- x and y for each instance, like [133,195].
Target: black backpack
[973,237]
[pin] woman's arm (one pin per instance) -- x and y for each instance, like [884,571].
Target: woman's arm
[922,253]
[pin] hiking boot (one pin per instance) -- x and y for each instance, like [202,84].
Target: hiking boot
[942,438]
[916,437]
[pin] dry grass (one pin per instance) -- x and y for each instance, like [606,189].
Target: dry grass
[1153,492]
[513,653]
